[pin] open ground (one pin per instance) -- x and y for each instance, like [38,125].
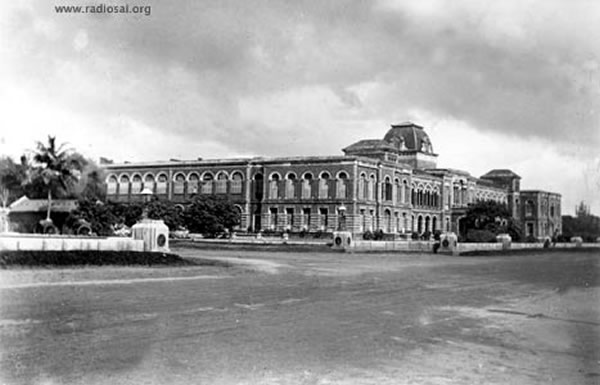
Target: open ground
[307,318]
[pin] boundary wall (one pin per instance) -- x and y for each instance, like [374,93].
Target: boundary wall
[31,242]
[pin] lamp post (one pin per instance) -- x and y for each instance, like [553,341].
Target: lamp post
[147,194]
[342,218]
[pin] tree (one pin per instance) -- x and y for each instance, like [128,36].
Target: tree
[584,224]
[484,220]
[56,168]
[14,178]
[170,213]
[211,215]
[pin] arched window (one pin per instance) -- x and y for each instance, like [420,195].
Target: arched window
[362,186]
[112,184]
[237,180]
[397,193]
[258,189]
[324,185]
[388,189]
[433,224]
[307,185]
[179,184]
[124,185]
[405,192]
[221,183]
[420,224]
[455,194]
[149,182]
[193,183]
[341,187]
[207,183]
[161,183]
[290,180]
[371,188]
[274,185]
[136,184]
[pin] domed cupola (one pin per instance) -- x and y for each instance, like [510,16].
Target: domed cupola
[408,137]
[404,143]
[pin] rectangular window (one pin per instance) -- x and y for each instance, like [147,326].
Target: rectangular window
[289,218]
[323,222]
[273,217]
[306,218]
[530,229]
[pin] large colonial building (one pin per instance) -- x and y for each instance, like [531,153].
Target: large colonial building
[391,184]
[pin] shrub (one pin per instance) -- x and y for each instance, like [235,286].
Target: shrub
[210,215]
[414,236]
[531,239]
[88,257]
[368,235]
[378,235]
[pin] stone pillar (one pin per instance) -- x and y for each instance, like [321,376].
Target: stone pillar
[505,239]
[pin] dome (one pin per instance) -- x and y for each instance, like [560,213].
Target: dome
[408,137]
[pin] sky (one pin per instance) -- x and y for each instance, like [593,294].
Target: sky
[504,84]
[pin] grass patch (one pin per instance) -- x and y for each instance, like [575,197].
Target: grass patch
[97,258]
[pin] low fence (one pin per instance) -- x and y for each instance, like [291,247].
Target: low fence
[419,246]
[427,246]
[31,242]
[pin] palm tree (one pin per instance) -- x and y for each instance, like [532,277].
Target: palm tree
[57,168]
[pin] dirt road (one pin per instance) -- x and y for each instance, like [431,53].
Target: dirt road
[307,318]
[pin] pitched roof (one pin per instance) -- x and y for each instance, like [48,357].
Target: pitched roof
[368,144]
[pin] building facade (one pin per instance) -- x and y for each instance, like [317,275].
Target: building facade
[392,184]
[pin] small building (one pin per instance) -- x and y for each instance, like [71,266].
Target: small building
[24,214]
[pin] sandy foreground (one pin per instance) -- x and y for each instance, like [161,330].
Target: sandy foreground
[306,318]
